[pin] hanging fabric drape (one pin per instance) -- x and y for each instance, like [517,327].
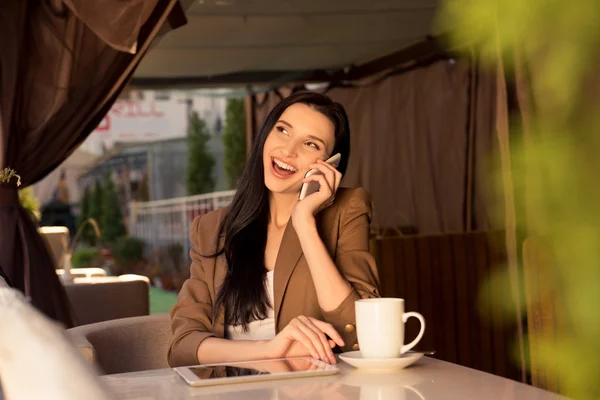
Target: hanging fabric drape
[62,65]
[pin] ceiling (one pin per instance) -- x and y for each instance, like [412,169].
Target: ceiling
[270,40]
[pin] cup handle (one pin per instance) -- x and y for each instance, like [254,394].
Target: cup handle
[405,318]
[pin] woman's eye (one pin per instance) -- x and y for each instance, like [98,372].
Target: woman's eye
[282,130]
[313,145]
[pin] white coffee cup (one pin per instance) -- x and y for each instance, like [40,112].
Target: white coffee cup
[380,327]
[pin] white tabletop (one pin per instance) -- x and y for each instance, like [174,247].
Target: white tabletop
[427,379]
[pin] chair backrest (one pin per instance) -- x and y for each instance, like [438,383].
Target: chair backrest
[125,345]
[57,239]
[545,317]
[100,299]
[441,277]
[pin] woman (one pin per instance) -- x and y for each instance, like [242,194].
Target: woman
[272,276]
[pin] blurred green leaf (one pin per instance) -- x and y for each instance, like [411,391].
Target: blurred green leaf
[556,160]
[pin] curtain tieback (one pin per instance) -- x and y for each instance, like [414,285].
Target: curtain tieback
[9,195]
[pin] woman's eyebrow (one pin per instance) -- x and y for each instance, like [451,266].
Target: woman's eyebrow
[317,139]
[313,137]
[286,123]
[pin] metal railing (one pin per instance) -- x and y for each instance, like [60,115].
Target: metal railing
[161,223]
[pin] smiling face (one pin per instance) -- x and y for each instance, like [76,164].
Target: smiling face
[299,138]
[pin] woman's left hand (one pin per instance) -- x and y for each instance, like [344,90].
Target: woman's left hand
[329,181]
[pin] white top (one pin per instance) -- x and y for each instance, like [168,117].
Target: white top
[259,329]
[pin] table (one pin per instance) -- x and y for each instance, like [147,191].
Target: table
[427,379]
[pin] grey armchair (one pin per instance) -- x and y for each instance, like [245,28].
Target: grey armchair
[125,345]
[98,299]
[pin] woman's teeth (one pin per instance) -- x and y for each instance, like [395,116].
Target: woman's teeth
[284,166]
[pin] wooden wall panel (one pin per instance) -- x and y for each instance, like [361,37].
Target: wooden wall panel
[441,277]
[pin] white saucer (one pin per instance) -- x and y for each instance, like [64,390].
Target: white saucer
[355,359]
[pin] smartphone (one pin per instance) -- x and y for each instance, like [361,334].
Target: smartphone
[312,187]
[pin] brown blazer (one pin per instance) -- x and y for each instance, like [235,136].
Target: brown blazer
[344,229]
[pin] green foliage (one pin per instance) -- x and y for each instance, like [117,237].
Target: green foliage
[555,167]
[127,251]
[234,140]
[83,258]
[201,162]
[112,224]
[29,202]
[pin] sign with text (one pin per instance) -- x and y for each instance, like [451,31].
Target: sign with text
[139,120]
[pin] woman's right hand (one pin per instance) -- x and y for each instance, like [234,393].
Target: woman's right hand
[305,336]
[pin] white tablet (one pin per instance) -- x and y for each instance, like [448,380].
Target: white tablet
[252,371]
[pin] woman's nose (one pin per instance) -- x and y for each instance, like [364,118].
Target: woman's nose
[290,149]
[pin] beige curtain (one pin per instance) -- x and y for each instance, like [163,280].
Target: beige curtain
[420,142]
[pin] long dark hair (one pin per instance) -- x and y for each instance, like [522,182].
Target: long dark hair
[243,293]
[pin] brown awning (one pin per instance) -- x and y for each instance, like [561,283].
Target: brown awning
[276,41]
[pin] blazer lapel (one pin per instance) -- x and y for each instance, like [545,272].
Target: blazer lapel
[288,256]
